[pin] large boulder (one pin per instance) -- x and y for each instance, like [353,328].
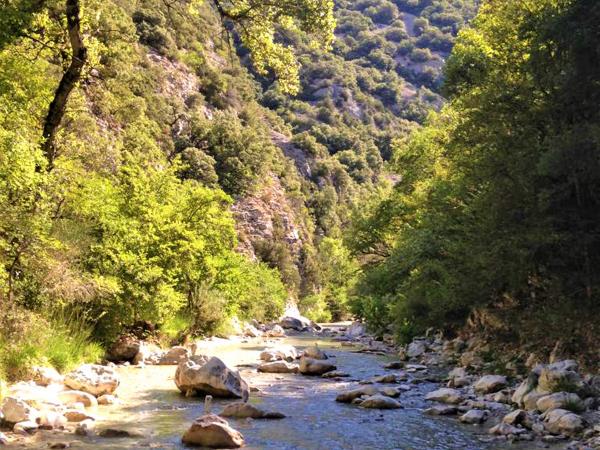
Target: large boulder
[293,323]
[310,366]
[213,432]
[124,349]
[561,421]
[490,383]
[197,376]
[16,410]
[278,367]
[445,395]
[93,379]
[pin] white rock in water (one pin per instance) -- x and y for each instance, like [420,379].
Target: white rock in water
[199,376]
[94,379]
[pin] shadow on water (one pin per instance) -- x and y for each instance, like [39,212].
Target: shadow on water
[153,406]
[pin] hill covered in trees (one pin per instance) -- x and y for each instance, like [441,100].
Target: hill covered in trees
[174,164]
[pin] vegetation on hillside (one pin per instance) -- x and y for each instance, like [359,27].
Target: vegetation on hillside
[498,203]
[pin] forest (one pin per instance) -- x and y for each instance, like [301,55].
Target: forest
[416,164]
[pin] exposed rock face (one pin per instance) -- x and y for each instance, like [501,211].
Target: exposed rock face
[124,349]
[309,366]
[380,402]
[278,367]
[561,421]
[197,376]
[243,410]
[445,395]
[213,432]
[93,379]
[16,410]
[490,383]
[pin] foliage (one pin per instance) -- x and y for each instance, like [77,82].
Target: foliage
[497,204]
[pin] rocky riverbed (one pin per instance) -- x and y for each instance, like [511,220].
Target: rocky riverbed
[362,396]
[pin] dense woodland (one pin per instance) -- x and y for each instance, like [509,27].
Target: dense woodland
[422,173]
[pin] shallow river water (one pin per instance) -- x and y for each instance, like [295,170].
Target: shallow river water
[152,405]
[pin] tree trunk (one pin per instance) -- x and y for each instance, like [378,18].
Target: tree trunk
[70,78]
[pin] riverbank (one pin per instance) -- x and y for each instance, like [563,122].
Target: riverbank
[152,413]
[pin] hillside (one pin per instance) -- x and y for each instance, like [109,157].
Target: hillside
[167,167]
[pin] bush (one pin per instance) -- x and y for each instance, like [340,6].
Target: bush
[62,341]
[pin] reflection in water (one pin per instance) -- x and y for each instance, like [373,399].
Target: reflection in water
[153,406]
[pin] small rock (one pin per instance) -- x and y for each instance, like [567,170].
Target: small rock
[51,420]
[71,397]
[3,439]
[335,374]
[45,376]
[174,356]
[73,415]
[515,417]
[285,352]
[107,399]
[93,379]
[490,383]
[380,402]
[561,421]
[445,395]
[355,330]
[416,349]
[441,410]
[394,365]
[314,353]
[474,416]
[25,427]
[387,379]
[278,367]
[276,331]
[309,366]
[120,433]
[244,410]
[124,349]
[350,395]
[560,400]
[213,432]
[504,429]
[16,410]
[85,428]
